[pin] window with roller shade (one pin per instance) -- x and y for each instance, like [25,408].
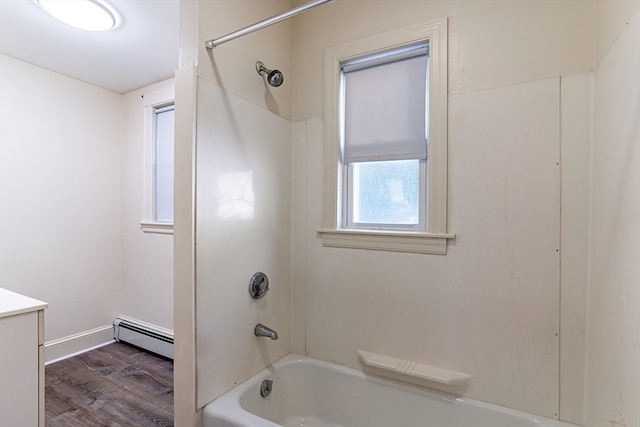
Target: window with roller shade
[384,151]
[385,141]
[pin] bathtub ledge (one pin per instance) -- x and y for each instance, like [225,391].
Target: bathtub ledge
[414,369]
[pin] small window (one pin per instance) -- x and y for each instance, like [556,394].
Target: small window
[384,116]
[163,174]
[159,152]
[385,142]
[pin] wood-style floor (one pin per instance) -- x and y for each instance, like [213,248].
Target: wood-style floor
[116,386]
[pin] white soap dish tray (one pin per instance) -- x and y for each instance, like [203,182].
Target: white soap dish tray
[414,369]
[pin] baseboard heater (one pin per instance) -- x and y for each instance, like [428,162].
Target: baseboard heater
[144,336]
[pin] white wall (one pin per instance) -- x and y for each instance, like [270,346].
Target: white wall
[491,307]
[184,383]
[60,196]
[146,289]
[613,374]
[70,202]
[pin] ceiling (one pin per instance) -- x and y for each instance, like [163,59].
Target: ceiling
[141,51]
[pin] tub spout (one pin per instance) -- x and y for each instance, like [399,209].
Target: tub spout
[263,331]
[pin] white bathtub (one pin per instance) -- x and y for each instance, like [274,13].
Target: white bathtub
[310,393]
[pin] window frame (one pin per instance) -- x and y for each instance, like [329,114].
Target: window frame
[334,232]
[151,102]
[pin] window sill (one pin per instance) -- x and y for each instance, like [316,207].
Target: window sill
[156,227]
[393,241]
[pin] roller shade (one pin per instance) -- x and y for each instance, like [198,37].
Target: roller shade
[385,107]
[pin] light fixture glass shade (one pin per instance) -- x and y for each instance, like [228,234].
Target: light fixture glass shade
[90,15]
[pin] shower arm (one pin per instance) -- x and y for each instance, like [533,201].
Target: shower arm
[210,44]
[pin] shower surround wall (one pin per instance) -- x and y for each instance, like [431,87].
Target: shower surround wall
[492,306]
[243,196]
[613,374]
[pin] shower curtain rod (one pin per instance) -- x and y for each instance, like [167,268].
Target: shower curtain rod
[210,44]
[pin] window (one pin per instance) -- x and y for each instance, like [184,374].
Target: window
[385,145]
[163,173]
[159,134]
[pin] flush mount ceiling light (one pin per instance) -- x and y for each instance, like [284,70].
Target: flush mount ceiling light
[90,15]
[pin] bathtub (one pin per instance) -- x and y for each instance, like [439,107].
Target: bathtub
[310,393]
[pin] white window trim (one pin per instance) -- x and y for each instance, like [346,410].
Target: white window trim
[151,101]
[333,233]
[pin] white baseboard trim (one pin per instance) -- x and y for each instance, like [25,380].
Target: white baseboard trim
[75,344]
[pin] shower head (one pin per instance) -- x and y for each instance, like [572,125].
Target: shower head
[274,77]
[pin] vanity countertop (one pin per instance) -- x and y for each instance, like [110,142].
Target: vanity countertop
[12,303]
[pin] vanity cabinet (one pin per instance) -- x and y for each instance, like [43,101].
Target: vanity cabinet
[21,360]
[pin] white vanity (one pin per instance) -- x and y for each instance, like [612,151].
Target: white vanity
[21,360]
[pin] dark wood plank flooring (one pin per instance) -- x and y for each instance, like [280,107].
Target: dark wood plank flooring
[116,386]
